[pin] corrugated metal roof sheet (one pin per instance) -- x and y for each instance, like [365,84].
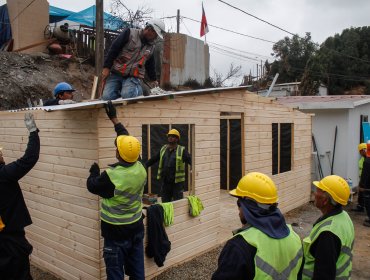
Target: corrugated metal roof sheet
[99,103]
[324,102]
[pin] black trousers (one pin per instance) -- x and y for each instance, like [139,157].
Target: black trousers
[360,199]
[366,198]
[172,191]
[14,257]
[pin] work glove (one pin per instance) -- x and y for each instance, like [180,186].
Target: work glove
[110,110]
[30,122]
[95,169]
[67,101]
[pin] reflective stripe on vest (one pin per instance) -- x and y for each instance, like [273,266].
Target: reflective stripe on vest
[275,258]
[360,165]
[125,206]
[342,226]
[131,60]
[180,165]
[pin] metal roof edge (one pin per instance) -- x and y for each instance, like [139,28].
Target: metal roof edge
[99,103]
[361,102]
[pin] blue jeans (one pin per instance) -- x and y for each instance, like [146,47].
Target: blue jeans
[117,86]
[124,257]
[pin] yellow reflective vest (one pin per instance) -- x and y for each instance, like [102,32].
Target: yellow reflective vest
[275,258]
[180,165]
[342,226]
[125,207]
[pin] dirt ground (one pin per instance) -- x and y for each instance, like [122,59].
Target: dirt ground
[301,218]
[33,77]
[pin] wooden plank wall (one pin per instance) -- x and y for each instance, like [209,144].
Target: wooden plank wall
[65,229]
[260,112]
[191,236]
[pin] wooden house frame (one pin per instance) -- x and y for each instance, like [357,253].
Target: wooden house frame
[66,228]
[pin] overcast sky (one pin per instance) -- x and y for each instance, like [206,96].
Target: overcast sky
[323,18]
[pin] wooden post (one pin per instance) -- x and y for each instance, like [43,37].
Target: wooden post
[178,21]
[99,42]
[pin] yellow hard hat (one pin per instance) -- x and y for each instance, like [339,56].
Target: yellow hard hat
[336,186]
[174,132]
[361,146]
[257,186]
[128,148]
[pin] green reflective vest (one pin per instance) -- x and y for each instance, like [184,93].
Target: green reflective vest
[275,258]
[125,206]
[361,165]
[180,165]
[340,225]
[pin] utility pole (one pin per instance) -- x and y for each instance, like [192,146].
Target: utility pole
[99,40]
[178,21]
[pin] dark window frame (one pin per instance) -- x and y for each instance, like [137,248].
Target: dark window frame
[282,147]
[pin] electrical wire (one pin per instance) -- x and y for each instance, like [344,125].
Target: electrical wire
[236,8]
[316,44]
[245,35]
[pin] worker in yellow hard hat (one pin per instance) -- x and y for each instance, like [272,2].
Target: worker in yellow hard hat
[121,188]
[172,158]
[265,247]
[328,248]
[360,199]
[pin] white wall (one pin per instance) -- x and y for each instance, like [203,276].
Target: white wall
[348,137]
[323,127]
[196,63]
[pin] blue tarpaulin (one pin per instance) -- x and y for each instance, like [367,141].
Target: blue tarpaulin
[87,17]
[366,130]
[58,14]
[5,28]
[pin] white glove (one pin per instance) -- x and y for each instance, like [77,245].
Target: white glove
[67,101]
[30,122]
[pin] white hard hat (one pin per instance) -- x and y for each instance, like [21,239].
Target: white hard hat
[158,26]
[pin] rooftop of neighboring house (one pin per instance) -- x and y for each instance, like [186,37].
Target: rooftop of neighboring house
[324,102]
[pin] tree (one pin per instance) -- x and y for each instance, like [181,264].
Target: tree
[345,60]
[291,56]
[136,18]
[234,72]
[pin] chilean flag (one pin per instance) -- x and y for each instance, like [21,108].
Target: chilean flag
[203,25]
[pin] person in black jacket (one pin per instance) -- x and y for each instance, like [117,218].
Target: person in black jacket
[63,93]
[364,187]
[129,59]
[14,215]
[121,187]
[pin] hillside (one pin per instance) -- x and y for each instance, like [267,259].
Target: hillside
[24,76]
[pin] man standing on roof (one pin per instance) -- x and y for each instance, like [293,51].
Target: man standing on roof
[121,187]
[360,200]
[171,170]
[63,93]
[129,58]
[14,215]
[265,247]
[328,248]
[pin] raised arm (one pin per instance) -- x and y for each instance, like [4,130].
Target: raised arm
[17,169]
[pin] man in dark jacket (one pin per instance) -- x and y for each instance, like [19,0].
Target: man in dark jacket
[328,249]
[14,215]
[265,247]
[171,170]
[63,93]
[121,186]
[364,187]
[129,59]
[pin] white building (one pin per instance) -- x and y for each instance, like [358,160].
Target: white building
[347,114]
[290,89]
